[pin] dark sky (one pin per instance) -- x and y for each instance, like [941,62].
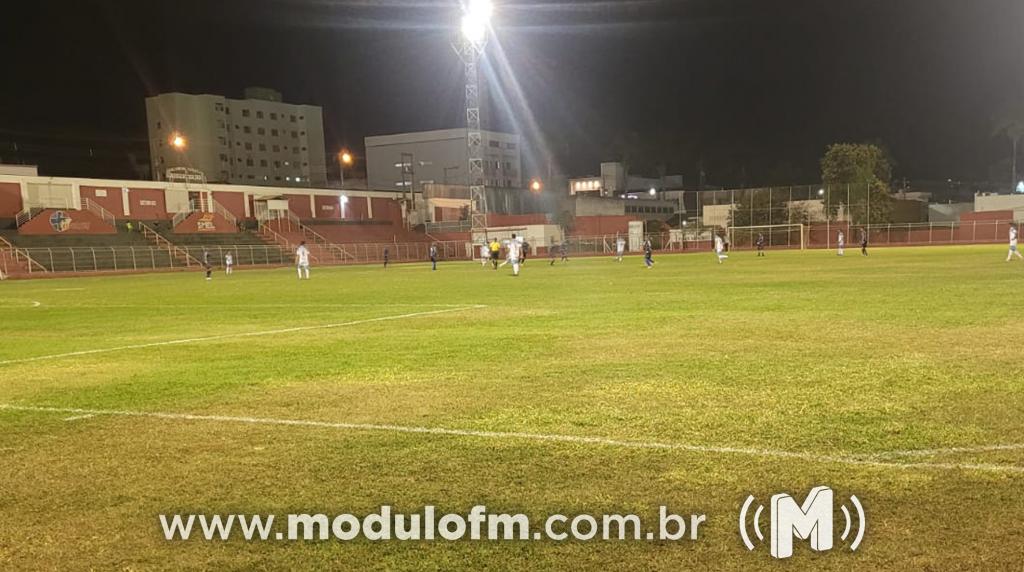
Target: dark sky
[752,90]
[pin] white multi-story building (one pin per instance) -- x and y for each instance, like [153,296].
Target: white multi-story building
[259,140]
[407,161]
[615,180]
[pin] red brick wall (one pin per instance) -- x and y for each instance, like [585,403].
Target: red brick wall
[515,220]
[327,207]
[602,225]
[356,209]
[81,222]
[442,214]
[987,215]
[233,202]
[147,204]
[299,204]
[10,200]
[112,202]
[387,209]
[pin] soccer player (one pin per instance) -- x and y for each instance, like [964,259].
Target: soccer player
[302,260]
[760,244]
[841,241]
[863,242]
[648,254]
[495,248]
[524,249]
[565,251]
[485,253]
[207,264]
[387,257]
[720,248]
[620,248]
[1013,244]
[433,256]
[514,250]
[229,263]
[553,251]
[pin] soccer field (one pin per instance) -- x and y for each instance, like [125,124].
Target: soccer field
[591,387]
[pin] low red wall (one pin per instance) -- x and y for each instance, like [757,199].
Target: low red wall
[299,204]
[387,209]
[515,220]
[234,203]
[110,199]
[987,215]
[327,207]
[10,200]
[357,209]
[205,223]
[601,225]
[49,222]
[147,204]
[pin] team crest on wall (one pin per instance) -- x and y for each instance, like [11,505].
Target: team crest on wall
[60,221]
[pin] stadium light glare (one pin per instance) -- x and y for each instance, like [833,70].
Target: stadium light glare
[653,191]
[536,186]
[179,142]
[476,20]
[821,192]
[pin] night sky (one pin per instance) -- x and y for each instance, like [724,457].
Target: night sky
[749,91]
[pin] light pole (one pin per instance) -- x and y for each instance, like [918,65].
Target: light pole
[470,47]
[345,159]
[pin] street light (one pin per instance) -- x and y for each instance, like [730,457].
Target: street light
[653,191]
[179,142]
[821,192]
[345,159]
[536,186]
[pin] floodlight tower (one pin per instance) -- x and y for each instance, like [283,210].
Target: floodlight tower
[470,47]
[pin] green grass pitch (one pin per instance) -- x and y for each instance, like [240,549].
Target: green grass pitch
[842,360]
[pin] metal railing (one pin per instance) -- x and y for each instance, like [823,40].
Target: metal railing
[98,210]
[148,258]
[450,226]
[162,243]
[219,209]
[20,257]
[26,215]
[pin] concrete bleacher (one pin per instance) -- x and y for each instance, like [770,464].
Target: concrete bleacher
[344,232]
[91,252]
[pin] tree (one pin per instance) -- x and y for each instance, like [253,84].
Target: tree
[857,175]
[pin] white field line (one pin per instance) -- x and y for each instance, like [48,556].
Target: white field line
[80,417]
[576,439]
[292,306]
[239,335]
[952,450]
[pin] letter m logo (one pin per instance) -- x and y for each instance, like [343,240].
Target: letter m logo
[811,521]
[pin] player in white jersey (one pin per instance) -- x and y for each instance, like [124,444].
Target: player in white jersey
[515,249]
[1013,244]
[485,254]
[302,260]
[720,248]
[841,242]
[620,248]
[229,263]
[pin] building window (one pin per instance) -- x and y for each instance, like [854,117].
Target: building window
[227,111]
[222,141]
[510,145]
[277,164]
[248,162]
[239,159]
[295,134]
[245,113]
[494,144]
[263,147]
[261,131]
[301,118]
[247,129]
[159,125]
[273,116]
[276,148]
[273,132]
[293,119]
[218,106]
[248,146]
[295,150]
[259,115]
[223,158]
[303,133]
[304,164]
[263,162]
[277,178]
[303,148]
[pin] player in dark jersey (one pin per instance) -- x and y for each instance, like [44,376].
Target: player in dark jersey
[207,264]
[863,242]
[648,254]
